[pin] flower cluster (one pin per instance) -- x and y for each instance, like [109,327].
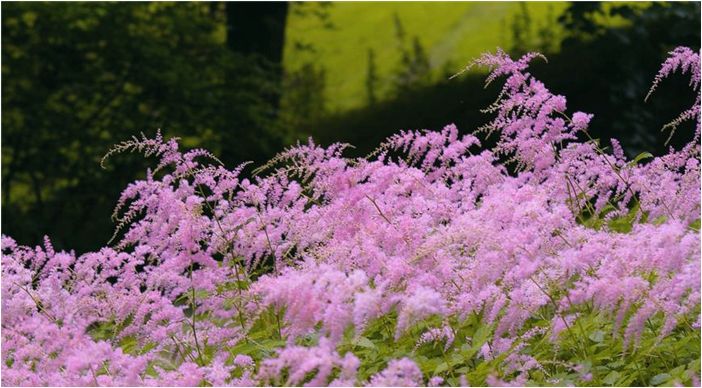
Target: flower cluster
[225,280]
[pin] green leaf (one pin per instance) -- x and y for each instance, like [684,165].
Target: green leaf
[441,368]
[244,348]
[660,379]
[272,344]
[147,347]
[621,225]
[659,220]
[596,336]
[611,378]
[479,338]
[456,359]
[640,157]
[364,343]
[627,380]
[481,335]
[428,364]
[129,344]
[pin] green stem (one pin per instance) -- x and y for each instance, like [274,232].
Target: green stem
[192,314]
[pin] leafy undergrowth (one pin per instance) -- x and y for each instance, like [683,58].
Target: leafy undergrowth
[542,261]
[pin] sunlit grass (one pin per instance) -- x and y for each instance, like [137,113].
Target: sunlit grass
[451,34]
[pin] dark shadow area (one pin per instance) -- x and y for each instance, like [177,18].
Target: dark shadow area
[79,78]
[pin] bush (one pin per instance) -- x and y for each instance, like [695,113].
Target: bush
[428,262]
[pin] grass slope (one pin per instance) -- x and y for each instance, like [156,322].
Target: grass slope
[451,34]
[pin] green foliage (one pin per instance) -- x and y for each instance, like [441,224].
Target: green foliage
[590,352]
[634,34]
[77,78]
[451,34]
[616,89]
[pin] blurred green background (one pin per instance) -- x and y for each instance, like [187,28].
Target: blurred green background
[246,79]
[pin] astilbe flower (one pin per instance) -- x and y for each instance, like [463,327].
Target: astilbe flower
[519,381]
[437,334]
[298,362]
[687,61]
[436,381]
[422,303]
[427,226]
[318,294]
[398,373]
[529,118]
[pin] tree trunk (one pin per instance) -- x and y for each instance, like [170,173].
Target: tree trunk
[257,28]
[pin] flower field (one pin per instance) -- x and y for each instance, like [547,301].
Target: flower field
[544,260]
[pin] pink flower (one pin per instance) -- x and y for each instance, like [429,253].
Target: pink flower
[580,120]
